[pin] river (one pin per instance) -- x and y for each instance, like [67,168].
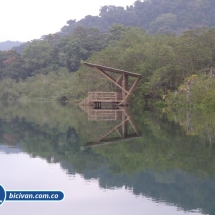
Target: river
[126,161]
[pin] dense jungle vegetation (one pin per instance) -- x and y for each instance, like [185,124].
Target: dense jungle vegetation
[171,43]
[155,16]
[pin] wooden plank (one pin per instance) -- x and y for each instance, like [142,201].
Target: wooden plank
[119,80]
[119,71]
[124,85]
[102,96]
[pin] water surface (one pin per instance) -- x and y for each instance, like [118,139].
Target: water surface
[150,164]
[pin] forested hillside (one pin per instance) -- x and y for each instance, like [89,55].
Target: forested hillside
[176,68]
[51,53]
[155,16]
[165,61]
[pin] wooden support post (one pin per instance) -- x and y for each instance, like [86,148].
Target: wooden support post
[97,105]
[124,125]
[125,87]
[119,80]
[130,91]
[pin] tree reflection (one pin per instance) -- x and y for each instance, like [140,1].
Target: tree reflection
[164,163]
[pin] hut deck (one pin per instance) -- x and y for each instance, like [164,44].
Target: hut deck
[116,98]
[102,97]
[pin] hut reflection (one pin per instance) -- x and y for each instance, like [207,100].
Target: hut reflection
[125,130]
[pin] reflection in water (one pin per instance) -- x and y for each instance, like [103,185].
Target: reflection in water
[121,130]
[196,122]
[82,196]
[164,164]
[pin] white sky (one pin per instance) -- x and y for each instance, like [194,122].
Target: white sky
[24,20]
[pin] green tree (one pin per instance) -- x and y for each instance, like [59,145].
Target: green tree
[37,56]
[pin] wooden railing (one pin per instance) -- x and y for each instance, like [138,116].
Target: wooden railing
[103,97]
[103,115]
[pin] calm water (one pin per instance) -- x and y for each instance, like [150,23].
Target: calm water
[119,162]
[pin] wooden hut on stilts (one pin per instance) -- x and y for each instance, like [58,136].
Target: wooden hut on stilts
[122,82]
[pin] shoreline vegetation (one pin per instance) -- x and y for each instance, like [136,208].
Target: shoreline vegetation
[177,62]
[178,71]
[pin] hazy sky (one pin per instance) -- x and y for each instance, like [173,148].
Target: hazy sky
[24,20]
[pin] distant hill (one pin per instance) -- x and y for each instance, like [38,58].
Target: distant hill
[7,45]
[155,16]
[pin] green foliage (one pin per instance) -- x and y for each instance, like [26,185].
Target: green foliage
[37,56]
[196,92]
[11,65]
[166,62]
[166,23]
[154,16]
[52,53]
[54,86]
[79,46]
